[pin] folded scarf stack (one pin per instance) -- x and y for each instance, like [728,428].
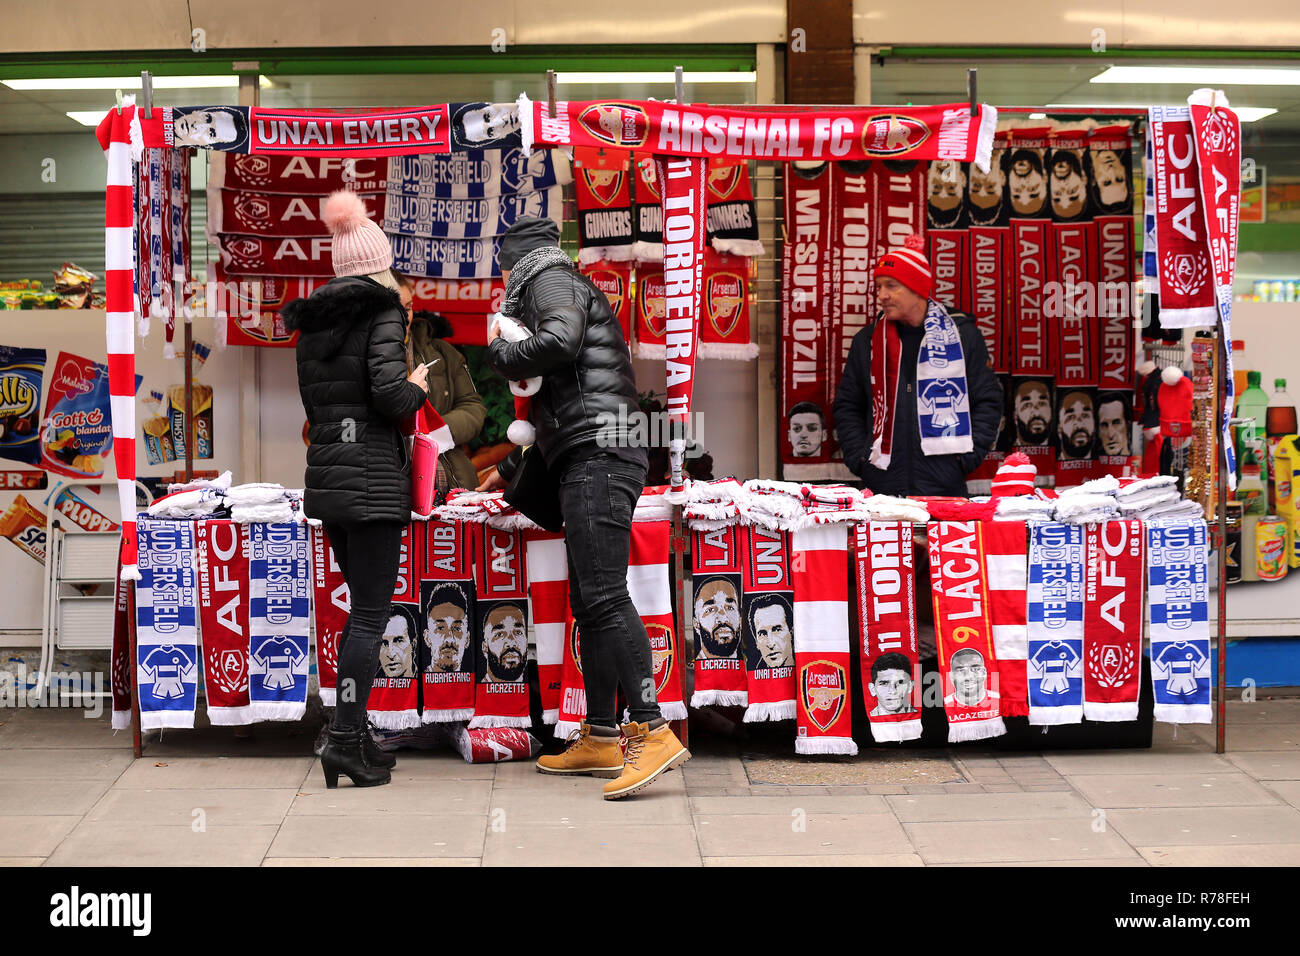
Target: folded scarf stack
[775,505]
[889,508]
[1024,508]
[1155,497]
[713,504]
[1090,502]
[194,503]
[264,502]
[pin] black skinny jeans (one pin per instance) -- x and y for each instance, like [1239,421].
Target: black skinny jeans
[597,497]
[368,555]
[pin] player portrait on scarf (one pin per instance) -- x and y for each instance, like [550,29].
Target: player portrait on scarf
[395,648]
[505,643]
[891,685]
[770,617]
[446,638]
[969,676]
[717,618]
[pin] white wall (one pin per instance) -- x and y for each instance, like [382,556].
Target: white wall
[1271,332]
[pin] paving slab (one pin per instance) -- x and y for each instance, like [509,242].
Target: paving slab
[846,859]
[1172,790]
[409,792]
[1268,764]
[784,805]
[1254,855]
[927,808]
[399,835]
[49,797]
[1073,864]
[1084,762]
[1207,825]
[59,729]
[105,844]
[1026,841]
[98,766]
[371,861]
[7,861]
[871,767]
[606,846]
[210,808]
[217,773]
[1288,790]
[33,835]
[815,834]
[1252,736]
[569,802]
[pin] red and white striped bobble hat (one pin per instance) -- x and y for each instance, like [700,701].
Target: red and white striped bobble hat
[907,263]
[1015,476]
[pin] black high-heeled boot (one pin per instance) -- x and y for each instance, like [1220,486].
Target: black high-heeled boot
[343,754]
[374,756]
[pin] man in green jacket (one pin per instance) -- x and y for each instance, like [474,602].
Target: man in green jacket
[451,390]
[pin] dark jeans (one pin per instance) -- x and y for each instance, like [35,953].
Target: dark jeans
[598,496]
[368,555]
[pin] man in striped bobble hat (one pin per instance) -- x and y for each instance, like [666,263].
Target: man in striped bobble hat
[918,406]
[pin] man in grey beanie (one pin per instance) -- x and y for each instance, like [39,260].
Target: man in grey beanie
[577,349]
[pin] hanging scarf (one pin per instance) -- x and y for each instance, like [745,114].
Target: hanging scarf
[501,694]
[603,188]
[167,656]
[942,399]
[573,691]
[438,218]
[819,567]
[768,634]
[331,603]
[548,592]
[476,175]
[963,630]
[448,619]
[732,215]
[887,618]
[279,582]
[1055,670]
[716,560]
[614,280]
[120,673]
[1183,267]
[1007,553]
[223,616]
[649,586]
[1112,631]
[1178,598]
[394,698]
[1218,157]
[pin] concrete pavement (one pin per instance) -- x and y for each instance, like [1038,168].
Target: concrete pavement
[70,794]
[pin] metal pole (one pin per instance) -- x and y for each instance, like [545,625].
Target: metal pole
[1221,505]
[550,93]
[677,85]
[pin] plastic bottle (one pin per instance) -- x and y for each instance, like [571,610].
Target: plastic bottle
[1250,486]
[1253,404]
[1279,421]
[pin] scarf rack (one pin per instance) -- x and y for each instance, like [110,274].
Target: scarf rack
[677,533]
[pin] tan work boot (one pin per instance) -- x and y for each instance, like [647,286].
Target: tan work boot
[596,754]
[649,753]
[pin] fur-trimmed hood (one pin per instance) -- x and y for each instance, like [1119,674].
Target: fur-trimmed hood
[328,314]
[436,326]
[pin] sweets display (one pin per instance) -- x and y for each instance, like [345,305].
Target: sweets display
[22,372]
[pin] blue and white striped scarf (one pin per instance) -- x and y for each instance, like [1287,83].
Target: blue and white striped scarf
[279,579]
[167,656]
[1055,595]
[1178,602]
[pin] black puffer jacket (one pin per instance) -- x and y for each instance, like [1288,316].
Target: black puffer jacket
[911,472]
[352,379]
[577,347]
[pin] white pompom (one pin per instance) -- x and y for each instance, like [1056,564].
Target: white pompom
[524,387]
[1171,375]
[521,432]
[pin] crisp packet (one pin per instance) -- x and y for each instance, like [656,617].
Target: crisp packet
[21,374]
[78,431]
[25,527]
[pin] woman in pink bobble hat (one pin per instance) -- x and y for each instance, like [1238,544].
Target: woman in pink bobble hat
[355,390]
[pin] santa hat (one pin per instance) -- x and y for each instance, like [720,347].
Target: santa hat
[1015,476]
[907,263]
[521,431]
[1175,402]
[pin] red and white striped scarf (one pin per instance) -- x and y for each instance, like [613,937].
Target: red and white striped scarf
[1113,589]
[1006,548]
[548,592]
[963,630]
[888,654]
[331,603]
[119,268]
[821,640]
[651,591]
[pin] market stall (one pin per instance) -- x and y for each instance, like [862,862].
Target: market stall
[776,556]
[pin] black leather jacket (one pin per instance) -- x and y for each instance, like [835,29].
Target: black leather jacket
[588,389]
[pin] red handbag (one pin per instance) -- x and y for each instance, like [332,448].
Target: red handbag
[430,436]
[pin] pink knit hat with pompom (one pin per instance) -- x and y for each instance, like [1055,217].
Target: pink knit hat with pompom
[360,247]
